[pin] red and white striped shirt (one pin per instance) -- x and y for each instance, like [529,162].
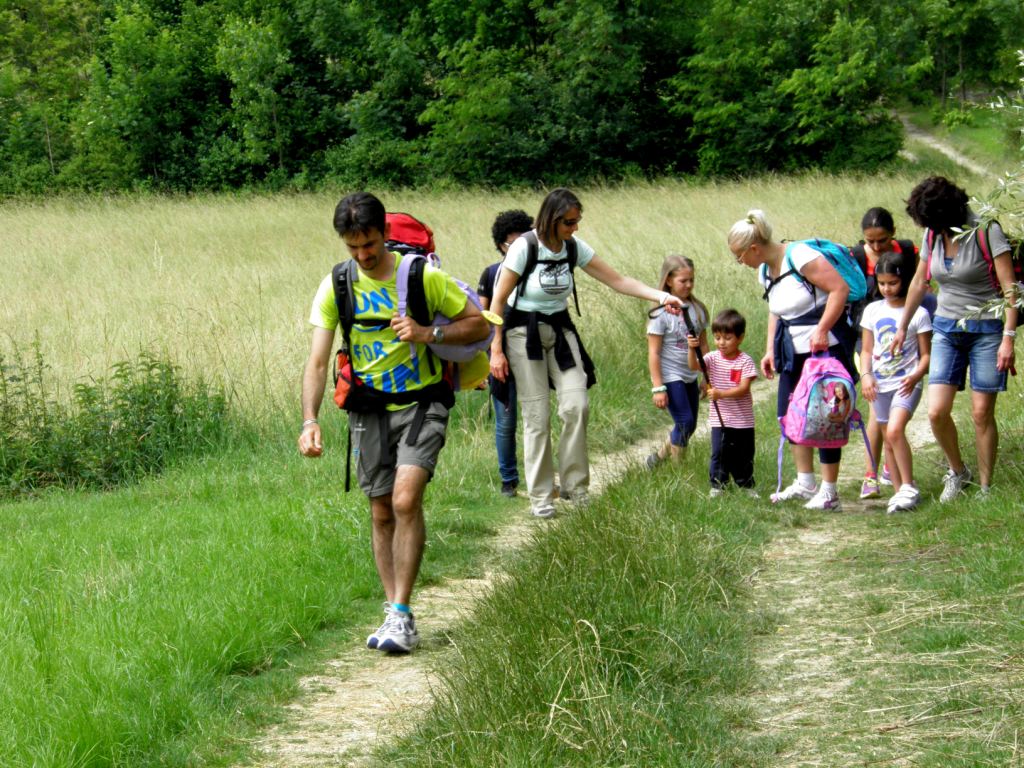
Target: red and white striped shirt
[726,374]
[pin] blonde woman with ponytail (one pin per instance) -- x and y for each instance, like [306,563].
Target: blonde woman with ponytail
[807,300]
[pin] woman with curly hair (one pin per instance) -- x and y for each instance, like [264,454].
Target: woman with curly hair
[954,256]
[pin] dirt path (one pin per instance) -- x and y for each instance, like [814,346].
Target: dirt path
[824,641]
[917,134]
[360,695]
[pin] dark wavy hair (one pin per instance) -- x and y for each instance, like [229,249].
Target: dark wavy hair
[903,265]
[938,204]
[507,223]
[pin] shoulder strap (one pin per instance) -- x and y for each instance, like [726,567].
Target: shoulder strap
[531,263]
[929,243]
[573,253]
[861,256]
[981,233]
[532,255]
[342,277]
[412,296]
[906,246]
[416,294]
[771,282]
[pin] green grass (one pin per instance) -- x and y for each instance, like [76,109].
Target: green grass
[611,643]
[162,624]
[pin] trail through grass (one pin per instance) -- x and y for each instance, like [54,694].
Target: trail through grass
[872,661]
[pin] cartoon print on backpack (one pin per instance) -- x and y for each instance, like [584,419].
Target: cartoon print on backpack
[839,404]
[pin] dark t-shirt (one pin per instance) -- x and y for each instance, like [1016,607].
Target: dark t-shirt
[485,289]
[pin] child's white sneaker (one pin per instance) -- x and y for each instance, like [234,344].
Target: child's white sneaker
[827,500]
[795,491]
[905,499]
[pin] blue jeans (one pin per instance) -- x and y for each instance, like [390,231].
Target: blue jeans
[683,398]
[505,435]
[955,351]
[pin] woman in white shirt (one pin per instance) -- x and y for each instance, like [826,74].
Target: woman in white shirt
[807,300]
[542,345]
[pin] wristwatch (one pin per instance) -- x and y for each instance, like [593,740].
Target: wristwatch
[438,334]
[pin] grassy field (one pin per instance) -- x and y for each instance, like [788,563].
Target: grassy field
[161,624]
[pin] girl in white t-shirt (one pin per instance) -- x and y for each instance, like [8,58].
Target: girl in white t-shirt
[674,385]
[807,300]
[892,382]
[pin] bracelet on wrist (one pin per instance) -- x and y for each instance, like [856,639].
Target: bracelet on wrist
[656,390]
[307,422]
[1010,333]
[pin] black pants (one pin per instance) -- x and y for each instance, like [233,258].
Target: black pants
[732,453]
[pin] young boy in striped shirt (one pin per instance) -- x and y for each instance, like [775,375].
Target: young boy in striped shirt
[729,372]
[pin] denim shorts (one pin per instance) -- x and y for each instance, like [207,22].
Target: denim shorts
[954,351]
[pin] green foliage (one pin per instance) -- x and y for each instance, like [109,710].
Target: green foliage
[785,89]
[227,93]
[109,433]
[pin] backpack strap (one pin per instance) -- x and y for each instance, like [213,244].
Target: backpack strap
[929,244]
[981,233]
[412,296]
[770,282]
[532,256]
[342,277]
[861,256]
[906,246]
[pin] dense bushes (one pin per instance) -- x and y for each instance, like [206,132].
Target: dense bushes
[102,433]
[167,94]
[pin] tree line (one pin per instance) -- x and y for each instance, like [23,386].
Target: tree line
[224,94]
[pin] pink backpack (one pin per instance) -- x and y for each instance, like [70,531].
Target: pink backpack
[822,407]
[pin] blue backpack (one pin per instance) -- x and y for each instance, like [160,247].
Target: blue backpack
[839,256]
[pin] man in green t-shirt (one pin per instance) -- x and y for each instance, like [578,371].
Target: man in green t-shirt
[389,354]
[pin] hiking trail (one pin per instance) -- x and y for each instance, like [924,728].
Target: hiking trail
[364,695]
[922,136]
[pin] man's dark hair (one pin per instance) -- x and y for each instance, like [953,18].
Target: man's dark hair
[358,213]
[903,265]
[938,204]
[557,203]
[878,217]
[729,321]
[508,223]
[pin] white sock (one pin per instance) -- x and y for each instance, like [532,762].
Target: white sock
[806,479]
[829,489]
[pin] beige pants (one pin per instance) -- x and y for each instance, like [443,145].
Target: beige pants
[535,401]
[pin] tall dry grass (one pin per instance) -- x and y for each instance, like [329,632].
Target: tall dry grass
[223,285]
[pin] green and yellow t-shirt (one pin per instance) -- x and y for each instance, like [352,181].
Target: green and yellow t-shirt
[378,358]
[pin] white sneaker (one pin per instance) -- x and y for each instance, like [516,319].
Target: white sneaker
[714,493]
[954,484]
[544,511]
[825,500]
[906,498]
[374,639]
[795,491]
[398,635]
